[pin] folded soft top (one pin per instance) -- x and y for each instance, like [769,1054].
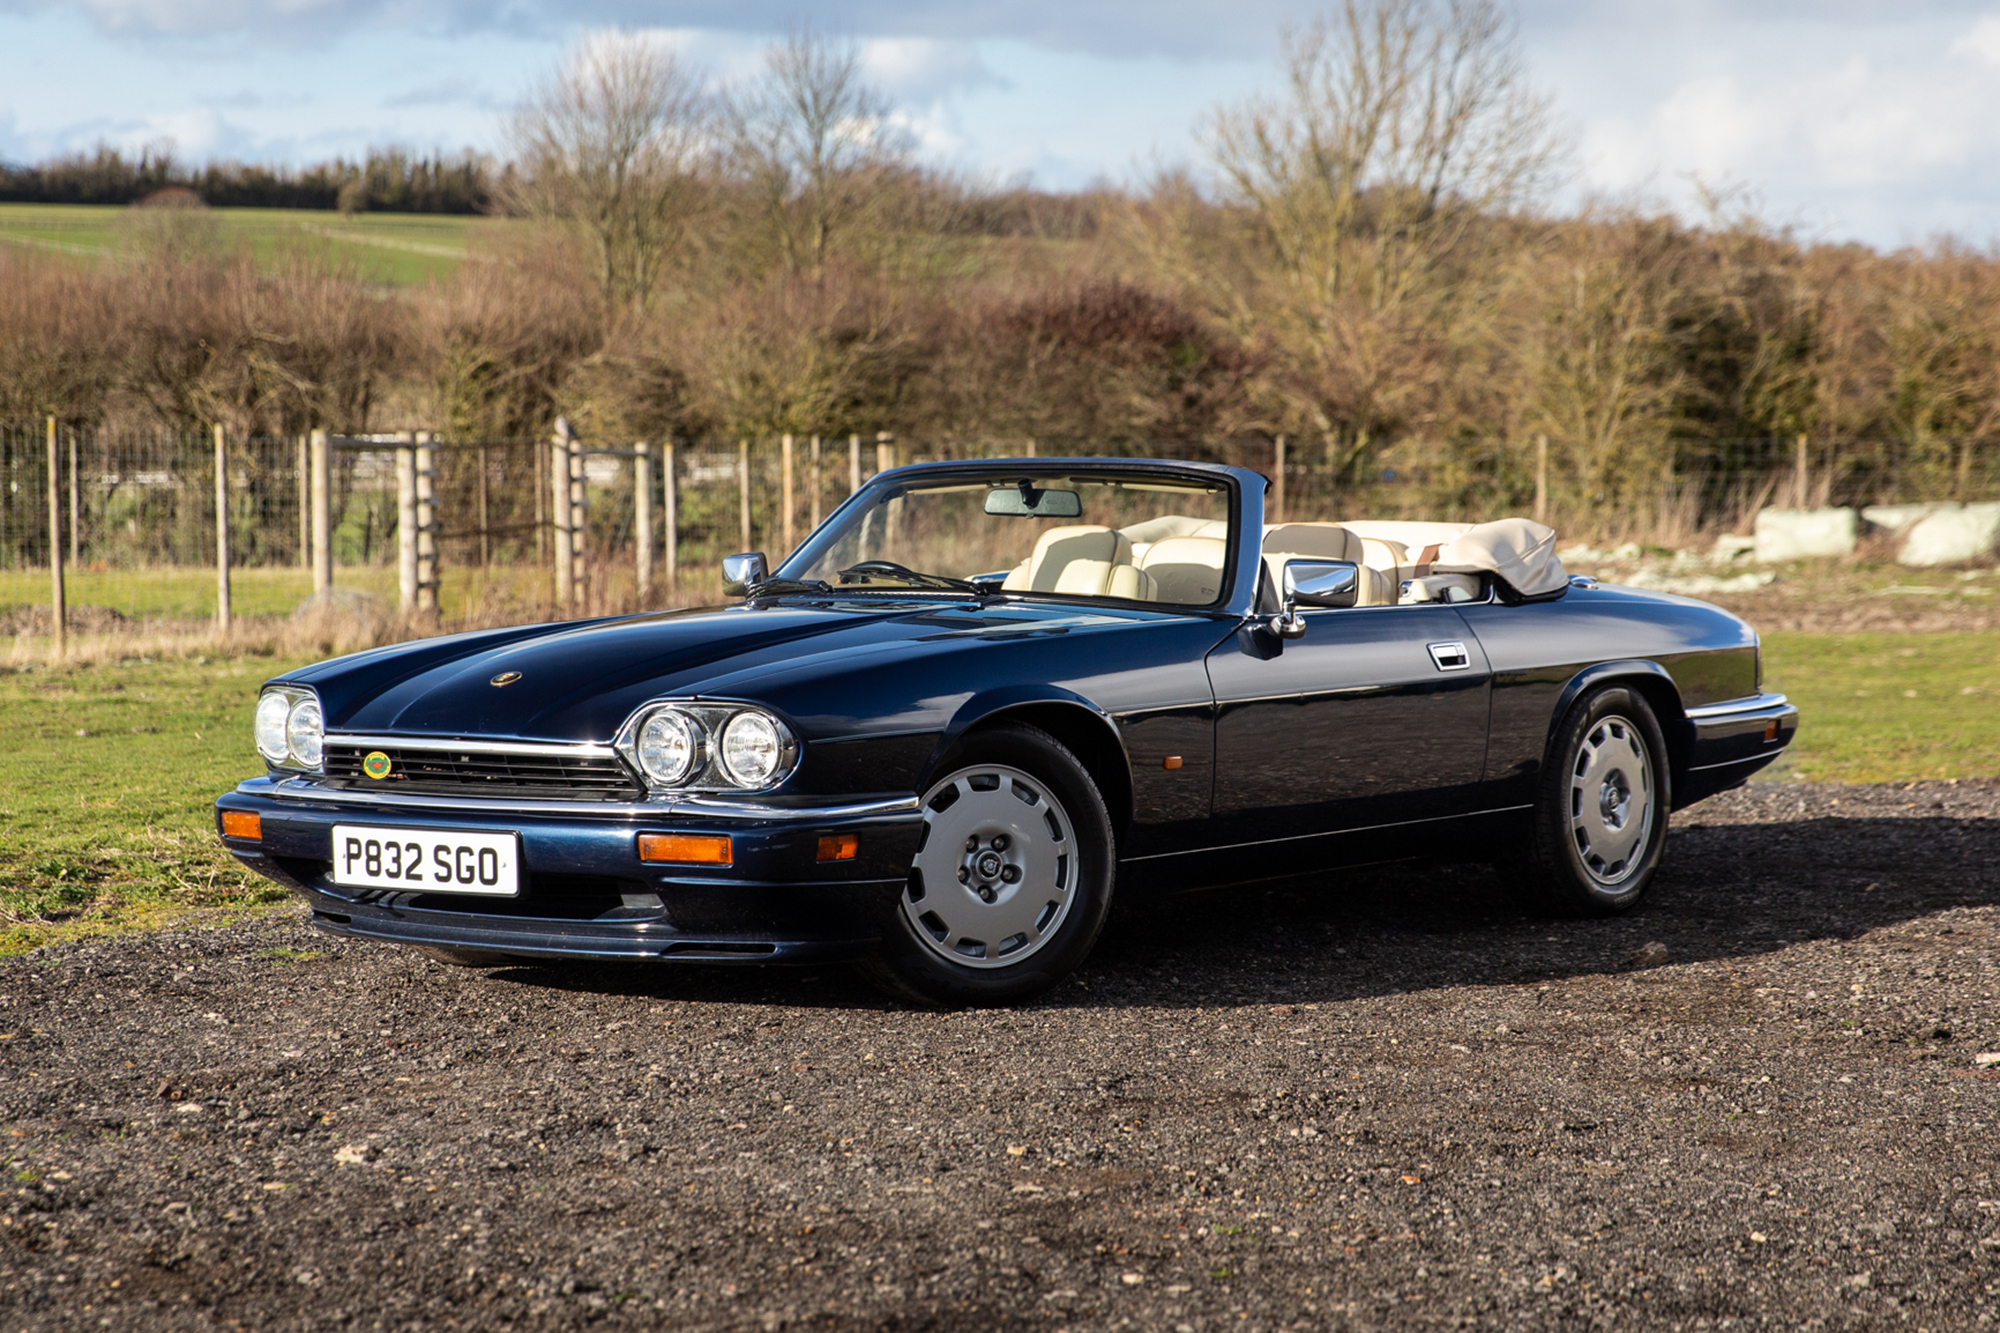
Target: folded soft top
[1519,551]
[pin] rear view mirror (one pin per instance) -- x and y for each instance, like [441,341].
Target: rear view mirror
[1024,501]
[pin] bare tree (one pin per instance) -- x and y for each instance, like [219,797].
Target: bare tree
[616,142]
[1404,130]
[816,142]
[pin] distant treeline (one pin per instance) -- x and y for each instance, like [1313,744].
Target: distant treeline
[388,180]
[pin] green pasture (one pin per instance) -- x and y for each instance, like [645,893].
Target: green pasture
[1889,707]
[401,249]
[106,776]
[188,592]
[107,772]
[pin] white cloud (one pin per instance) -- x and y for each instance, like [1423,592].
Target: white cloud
[1888,129]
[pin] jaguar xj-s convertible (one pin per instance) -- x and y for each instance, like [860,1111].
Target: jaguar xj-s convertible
[981,698]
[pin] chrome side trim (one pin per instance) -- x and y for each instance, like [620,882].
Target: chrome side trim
[1328,833]
[567,750]
[1756,703]
[695,807]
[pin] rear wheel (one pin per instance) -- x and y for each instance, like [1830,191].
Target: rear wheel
[1600,817]
[1012,877]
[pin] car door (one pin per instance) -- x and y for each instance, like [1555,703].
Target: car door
[1376,716]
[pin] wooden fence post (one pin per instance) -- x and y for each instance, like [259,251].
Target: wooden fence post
[559,513]
[1278,477]
[817,488]
[642,521]
[853,464]
[58,603]
[579,526]
[1800,500]
[425,472]
[485,536]
[75,508]
[743,489]
[673,519]
[790,524]
[1541,479]
[322,513]
[222,607]
[305,504]
[406,520]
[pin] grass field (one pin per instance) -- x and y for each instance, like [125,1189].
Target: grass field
[1889,707]
[107,773]
[189,593]
[400,249]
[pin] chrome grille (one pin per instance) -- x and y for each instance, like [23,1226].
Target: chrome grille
[544,773]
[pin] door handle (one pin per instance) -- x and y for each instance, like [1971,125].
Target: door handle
[1450,656]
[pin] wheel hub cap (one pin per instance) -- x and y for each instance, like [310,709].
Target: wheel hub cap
[1611,801]
[995,871]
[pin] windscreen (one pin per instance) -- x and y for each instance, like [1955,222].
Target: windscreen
[1071,536]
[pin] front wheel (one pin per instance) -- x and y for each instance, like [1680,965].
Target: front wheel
[1600,817]
[1012,877]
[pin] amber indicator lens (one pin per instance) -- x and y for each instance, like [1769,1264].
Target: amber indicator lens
[839,846]
[685,849]
[1771,730]
[1173,761]
[243,824]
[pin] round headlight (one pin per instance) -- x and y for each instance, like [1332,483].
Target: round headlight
[666,747]
[751,748]
[272,710]
[302,733]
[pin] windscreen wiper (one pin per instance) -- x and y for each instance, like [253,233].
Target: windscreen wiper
[774,585]
[890,569]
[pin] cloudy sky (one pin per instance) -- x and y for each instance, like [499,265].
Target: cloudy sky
[1870,119]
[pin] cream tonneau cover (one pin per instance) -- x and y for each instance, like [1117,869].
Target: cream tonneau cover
[1179,559]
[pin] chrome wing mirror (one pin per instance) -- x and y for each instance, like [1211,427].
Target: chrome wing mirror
[1315,583]
[741,573]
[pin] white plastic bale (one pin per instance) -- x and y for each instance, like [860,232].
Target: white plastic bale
[1895,518]
[1953,536]
[1805,534]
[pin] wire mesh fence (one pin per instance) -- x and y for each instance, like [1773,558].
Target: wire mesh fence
[137,512]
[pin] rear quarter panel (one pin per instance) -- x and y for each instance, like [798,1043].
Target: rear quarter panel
[1537,650]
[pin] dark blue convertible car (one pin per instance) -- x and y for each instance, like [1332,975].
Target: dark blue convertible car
[978,700]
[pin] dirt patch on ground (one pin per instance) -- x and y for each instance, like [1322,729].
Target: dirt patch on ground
[1384,1099]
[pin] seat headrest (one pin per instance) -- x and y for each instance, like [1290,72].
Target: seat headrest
[1187,570]
[1059,548]
[1319,541]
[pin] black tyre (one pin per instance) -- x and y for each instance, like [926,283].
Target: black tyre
[1012,878]
[1599,825]
[467,957]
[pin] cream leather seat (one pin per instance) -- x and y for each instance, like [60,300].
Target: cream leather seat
[1396,546]
[1327,541]
[1083,560]
[1143,535]
[1185,570]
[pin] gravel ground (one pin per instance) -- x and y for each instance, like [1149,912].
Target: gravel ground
[1381,1100]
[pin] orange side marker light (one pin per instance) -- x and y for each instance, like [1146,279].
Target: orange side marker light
[839,846]
[1771,730]
[1173,762]
[685,849]
[247,824]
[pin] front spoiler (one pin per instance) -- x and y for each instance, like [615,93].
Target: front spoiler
[586,895]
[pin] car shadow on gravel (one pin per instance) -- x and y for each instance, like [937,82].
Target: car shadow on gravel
[1727,889]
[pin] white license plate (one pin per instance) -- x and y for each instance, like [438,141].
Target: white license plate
[426,860]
